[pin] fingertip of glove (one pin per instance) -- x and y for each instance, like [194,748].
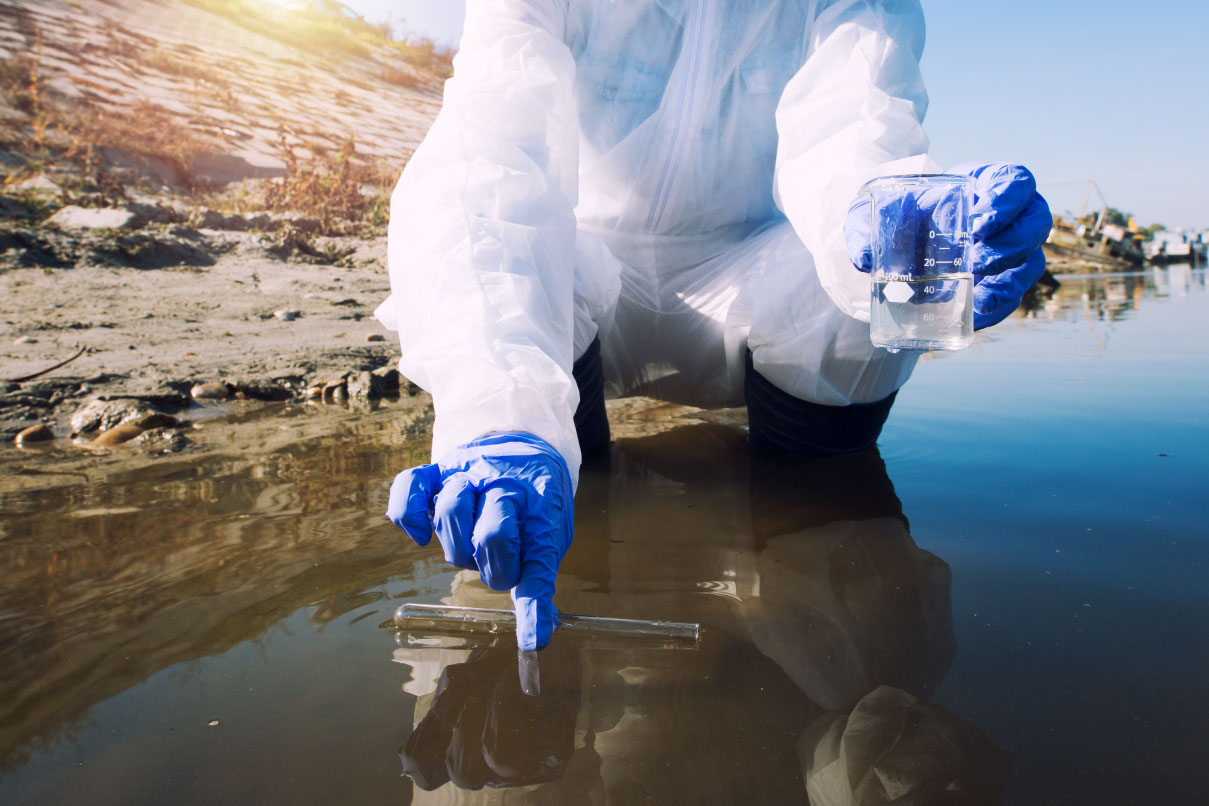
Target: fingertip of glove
[534,624]
[420,534]
[411,495]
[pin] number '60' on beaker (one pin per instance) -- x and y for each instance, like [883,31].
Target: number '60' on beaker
[922,288]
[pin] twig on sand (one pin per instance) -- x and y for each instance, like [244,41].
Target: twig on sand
[25,378]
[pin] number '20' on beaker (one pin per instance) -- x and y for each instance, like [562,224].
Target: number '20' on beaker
[922,292]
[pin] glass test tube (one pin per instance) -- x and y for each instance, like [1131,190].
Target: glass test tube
[448,618]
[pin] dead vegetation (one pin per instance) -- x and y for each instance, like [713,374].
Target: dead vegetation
[86,135]
[83,133]
[340,190]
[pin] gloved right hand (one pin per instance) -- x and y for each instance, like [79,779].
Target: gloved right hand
[501,505]
[1010,223]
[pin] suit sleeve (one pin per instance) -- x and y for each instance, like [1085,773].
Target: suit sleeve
[482,235]
[854,111]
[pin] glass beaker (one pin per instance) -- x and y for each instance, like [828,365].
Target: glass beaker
[923,290]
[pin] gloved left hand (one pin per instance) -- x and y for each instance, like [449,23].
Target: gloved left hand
[501,505]
[1010,221]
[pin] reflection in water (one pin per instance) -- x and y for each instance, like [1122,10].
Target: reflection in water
[895,748]
[116,573]
[823,626]
[499,718]
[825,630]
[1109,297]
[847,601]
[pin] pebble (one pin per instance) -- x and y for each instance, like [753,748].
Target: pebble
[101,415]
[37,184]
[389,377]
[210,391]
[256,389]
[286,314]
[117,435]
[25,340]
[313,392]
[35,433]
[162,441]
[375,337]
[335,389]
[365,384]
[74,217]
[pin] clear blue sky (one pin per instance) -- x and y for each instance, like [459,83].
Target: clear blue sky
[1076,90]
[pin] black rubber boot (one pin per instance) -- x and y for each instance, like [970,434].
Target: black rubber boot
[591,422]
[783,423]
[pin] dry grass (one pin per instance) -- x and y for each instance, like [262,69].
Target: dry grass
[147,130]
[21,77]
[312,31]
[341,191]
[426,57]
[171,65]
[57,130]
[405,78]
[346,192]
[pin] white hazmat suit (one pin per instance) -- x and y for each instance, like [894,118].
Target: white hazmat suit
[669,175]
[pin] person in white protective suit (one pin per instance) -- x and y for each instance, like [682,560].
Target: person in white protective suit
[652,194]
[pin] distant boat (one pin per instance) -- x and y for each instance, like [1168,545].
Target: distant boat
[1106,244]
[1176,246]
[1096,241]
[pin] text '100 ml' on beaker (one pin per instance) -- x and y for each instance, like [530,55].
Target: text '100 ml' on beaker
[922,288]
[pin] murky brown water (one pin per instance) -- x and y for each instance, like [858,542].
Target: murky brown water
[204,628]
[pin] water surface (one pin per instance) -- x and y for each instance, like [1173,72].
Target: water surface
[1007,597]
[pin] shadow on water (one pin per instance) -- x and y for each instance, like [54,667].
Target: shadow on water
[825,626]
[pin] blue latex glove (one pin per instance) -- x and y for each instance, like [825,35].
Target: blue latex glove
[1010,222]
[501,505]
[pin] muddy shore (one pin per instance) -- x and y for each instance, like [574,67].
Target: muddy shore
[192,210]
[246,323]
